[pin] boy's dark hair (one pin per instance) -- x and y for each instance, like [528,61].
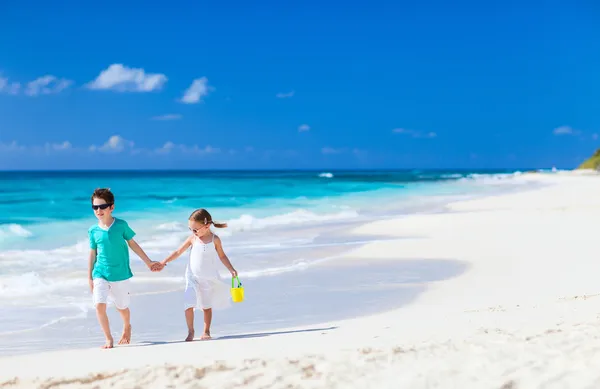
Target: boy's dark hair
[104,194]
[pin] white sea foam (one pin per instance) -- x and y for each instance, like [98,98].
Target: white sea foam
[81,314]
[14,230]
[249,222]
[172,226]
[31,284]
[326,175]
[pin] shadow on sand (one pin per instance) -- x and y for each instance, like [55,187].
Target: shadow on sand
[239,336]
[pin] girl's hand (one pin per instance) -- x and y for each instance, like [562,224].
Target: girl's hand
[233,273]
[156,266]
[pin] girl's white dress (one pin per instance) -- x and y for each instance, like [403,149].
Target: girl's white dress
[204,287]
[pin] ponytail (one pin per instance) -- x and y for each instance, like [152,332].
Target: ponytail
[202,216]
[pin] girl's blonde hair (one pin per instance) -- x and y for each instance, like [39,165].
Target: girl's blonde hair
[202,216]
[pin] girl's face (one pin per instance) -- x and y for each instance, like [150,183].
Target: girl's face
[198,229]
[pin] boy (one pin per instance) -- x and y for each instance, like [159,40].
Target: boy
[109,270]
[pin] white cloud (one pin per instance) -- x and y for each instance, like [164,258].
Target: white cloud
[47,147]
[124,79]
[330,150]
[114,144]
[359,152]
[303,128]
[117,144]
[198,89]
[356,152]
[47,85]
[564,130]
[171,116]
[11,88]
[12,146]
[169,147]
[66,145]
[285,95]
[414,133]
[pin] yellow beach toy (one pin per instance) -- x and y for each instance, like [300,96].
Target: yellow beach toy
[237,293]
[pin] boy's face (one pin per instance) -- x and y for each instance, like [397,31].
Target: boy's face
[198,229]
[101,208]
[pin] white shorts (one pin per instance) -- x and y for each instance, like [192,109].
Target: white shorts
[117,291]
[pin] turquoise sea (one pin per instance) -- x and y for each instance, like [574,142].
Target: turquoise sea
[284,227]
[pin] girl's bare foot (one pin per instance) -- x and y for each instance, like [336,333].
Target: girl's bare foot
[205,336]
[108,344]
[190,336]
[126,337]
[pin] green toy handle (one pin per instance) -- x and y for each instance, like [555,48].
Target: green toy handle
[233,283]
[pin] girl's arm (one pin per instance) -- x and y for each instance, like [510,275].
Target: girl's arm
[175,254]
[223,257]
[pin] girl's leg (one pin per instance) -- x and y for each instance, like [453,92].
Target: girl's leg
[189,319]
[207,321]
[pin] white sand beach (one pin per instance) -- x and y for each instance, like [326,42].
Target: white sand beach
[525,313]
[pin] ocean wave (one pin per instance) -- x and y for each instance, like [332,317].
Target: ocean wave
[249,222]
[14,230]
[81,313]
[166,237]
[31,284]
[497,178]
[171,226]
[326,175]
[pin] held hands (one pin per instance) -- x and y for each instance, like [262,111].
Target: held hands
[155,266]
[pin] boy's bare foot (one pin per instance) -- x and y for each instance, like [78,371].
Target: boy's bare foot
[108,344]
[205,336]
[190,336]
[126,337]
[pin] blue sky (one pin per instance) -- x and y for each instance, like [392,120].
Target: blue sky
[298,84]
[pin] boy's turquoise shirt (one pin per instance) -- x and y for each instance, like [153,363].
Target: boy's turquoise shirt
[112,250]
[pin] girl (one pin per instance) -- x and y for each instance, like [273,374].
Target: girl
[203,285]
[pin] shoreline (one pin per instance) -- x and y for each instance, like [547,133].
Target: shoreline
[333,242]
[530,291]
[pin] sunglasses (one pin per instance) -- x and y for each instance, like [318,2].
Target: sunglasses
[101,206]
[195,230]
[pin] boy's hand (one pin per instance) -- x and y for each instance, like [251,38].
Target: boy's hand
[233,273]
[91,282]
[155,266]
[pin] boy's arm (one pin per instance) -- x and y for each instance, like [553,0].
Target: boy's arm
[92,261]
[177,253]
[223,257]
[140,253]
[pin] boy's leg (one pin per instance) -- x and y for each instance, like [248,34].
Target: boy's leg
[126,316]
[103,320]
[120,293]
[101,291]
